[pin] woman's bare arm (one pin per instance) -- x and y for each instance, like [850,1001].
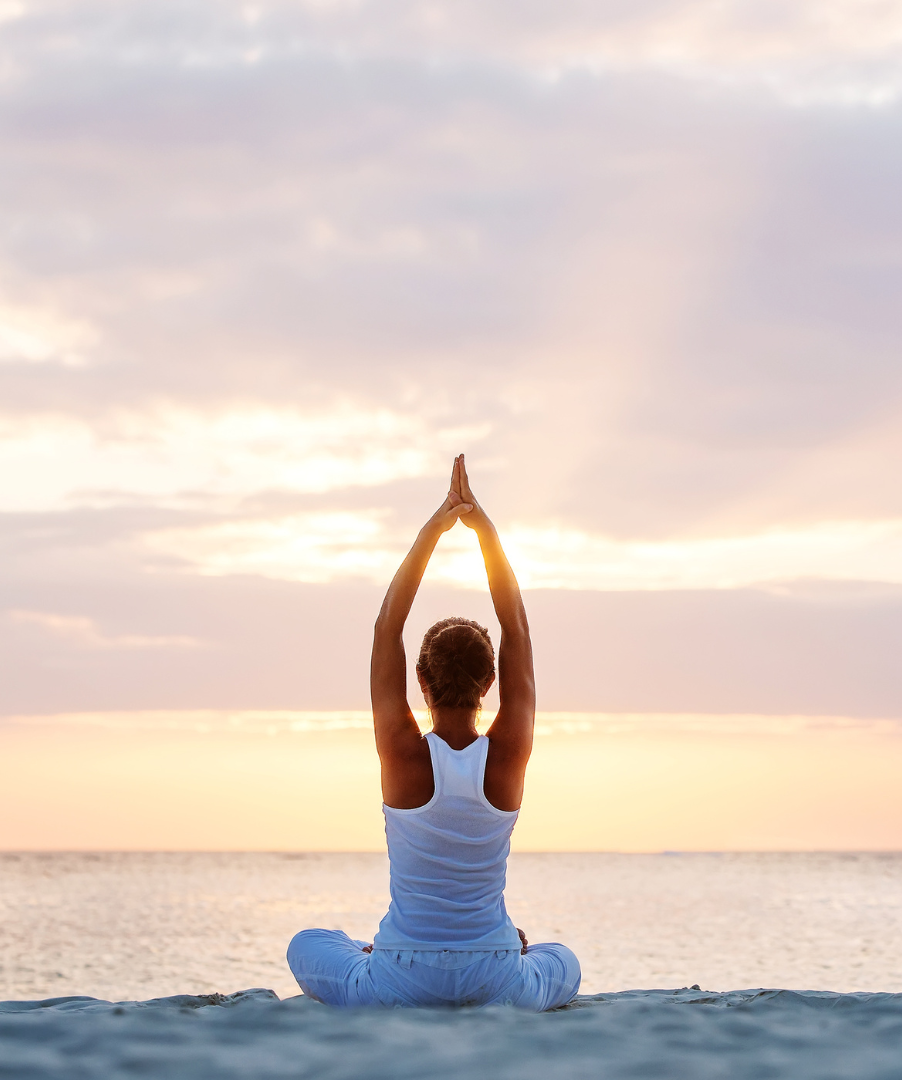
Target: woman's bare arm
[397,734]
[512,731]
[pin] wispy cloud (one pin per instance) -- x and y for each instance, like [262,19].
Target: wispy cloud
[269,722]
[38,336]
[335,546]
[172,455]
[84,633]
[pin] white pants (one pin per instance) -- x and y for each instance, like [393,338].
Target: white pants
[332,968]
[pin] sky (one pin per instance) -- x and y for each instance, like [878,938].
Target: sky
[286,781]
[266,267]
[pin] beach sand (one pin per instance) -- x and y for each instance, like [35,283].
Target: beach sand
[668,1034]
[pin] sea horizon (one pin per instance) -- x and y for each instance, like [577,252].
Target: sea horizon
[139,925]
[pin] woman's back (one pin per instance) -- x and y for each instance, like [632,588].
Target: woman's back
[450,801]
[448,861]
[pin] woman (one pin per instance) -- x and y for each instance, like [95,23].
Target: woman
[451,799]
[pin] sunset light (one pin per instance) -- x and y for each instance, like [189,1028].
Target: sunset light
[450,539]
[331,546]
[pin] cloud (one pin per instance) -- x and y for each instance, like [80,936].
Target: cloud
[173,455]
[267,723]
[333,546]
[812,42]
[38,336]
[264,268]
[312,547]
[675,301]
[285,646]
[84,633]
[207,721]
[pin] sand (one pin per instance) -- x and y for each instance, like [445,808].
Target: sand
[666,1034]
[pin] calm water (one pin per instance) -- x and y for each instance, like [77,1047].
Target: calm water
[131,926]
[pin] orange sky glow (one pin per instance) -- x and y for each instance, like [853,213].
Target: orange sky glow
[295,781]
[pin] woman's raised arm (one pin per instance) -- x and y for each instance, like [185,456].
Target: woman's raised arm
[512,731]
[397,734]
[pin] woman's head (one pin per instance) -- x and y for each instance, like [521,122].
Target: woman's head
[456,664]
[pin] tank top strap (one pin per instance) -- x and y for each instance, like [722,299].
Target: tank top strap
[459,773]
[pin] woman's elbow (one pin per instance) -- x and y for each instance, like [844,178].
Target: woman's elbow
[386,630]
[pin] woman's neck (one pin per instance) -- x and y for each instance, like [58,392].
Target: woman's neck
[456,726]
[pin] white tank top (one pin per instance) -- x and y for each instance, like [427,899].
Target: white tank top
[449,861]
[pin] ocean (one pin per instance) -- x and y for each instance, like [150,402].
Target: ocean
[134,926]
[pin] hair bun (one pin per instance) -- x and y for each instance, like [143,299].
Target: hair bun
[457,662]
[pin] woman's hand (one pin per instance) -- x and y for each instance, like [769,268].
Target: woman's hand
[455,505]
[475,517]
